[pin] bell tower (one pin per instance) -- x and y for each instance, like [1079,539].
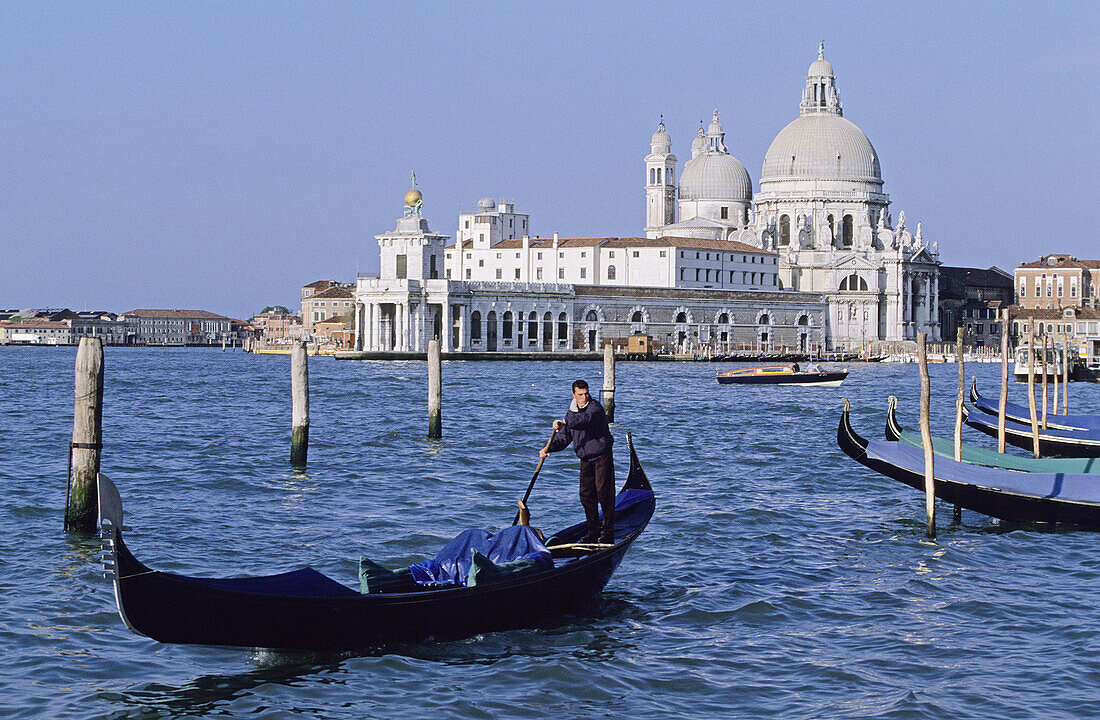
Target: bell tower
[660,190]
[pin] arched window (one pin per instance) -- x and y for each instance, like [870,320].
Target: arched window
[804,320]
[723,319]
[563,327]
[764,320]
[658,176]
[610,272]
[652,176]
[591,316]
[785,230]
[637,317]
[681,317]
[847,231]
[853,282]
[475,325]
[506,326]
[532,326]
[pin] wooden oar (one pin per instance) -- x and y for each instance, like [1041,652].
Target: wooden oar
[523,502]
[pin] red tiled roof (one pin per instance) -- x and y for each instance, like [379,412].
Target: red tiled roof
[1061,261]
[176,314]
[542,243]
[333,292]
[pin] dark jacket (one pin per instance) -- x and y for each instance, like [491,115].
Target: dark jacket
[586,429]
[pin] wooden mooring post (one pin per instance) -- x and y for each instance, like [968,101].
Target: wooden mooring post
[299,395]
[1065,374]
[926,436]
[609,382]
[1031,385]
[957,515]
[1046,370]
[1004,384]
[1057,375]
[81,501]
[435,390]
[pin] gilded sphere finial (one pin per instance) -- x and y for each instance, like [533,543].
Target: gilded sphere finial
[413,197]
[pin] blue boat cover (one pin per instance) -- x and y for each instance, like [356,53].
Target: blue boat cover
[1088,437]
[633,508]
[1072,487]
[1015,410]
[451,565]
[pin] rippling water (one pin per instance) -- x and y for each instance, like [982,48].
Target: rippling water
[777,579]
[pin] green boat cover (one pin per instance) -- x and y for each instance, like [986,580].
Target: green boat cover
[991,458]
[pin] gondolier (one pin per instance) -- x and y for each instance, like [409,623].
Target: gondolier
[585,426]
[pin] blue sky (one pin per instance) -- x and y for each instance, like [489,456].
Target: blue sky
[222,155]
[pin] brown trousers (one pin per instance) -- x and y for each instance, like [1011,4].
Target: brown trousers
[598,491]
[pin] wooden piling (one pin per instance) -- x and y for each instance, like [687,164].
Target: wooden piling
[1065,374]
[1046,343]
[435,390]
[1004,383]
[81,502]
[959,398]
[1031,385]
[609,382]
[957,515]
[926,435]
[1054,400]
[299,393]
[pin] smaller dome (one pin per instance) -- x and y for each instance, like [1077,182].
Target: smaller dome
[661,136]
[715,176]
[413,197]
[486,204]
[699,144]
[820,67]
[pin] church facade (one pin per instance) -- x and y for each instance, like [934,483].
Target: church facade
[820,206]
[812,260]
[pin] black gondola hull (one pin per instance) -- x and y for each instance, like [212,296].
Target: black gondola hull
[1051,442]
[990,501]
[327,616]
[175,609]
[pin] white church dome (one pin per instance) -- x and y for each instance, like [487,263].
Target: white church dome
[715,176]
[486,204]
[822,146]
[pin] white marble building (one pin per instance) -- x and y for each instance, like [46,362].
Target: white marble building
[728,298]
[820,205]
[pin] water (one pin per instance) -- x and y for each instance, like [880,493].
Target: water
[777,579]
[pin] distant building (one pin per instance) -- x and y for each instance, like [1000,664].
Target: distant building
[176,327]
[324,299]
[36,331]
[279,327]
[1080,324]
[333,332]
[973,298]
[1058,281]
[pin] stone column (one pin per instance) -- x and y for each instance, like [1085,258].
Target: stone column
[358,325]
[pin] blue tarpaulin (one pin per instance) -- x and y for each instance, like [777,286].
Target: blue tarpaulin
[451,565]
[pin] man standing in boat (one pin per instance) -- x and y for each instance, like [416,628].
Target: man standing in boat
[585,425]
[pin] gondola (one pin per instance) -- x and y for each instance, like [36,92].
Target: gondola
[305,610]
[1006,494]
[1022,414]
[1059,443]
[789,374]
[981,456]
